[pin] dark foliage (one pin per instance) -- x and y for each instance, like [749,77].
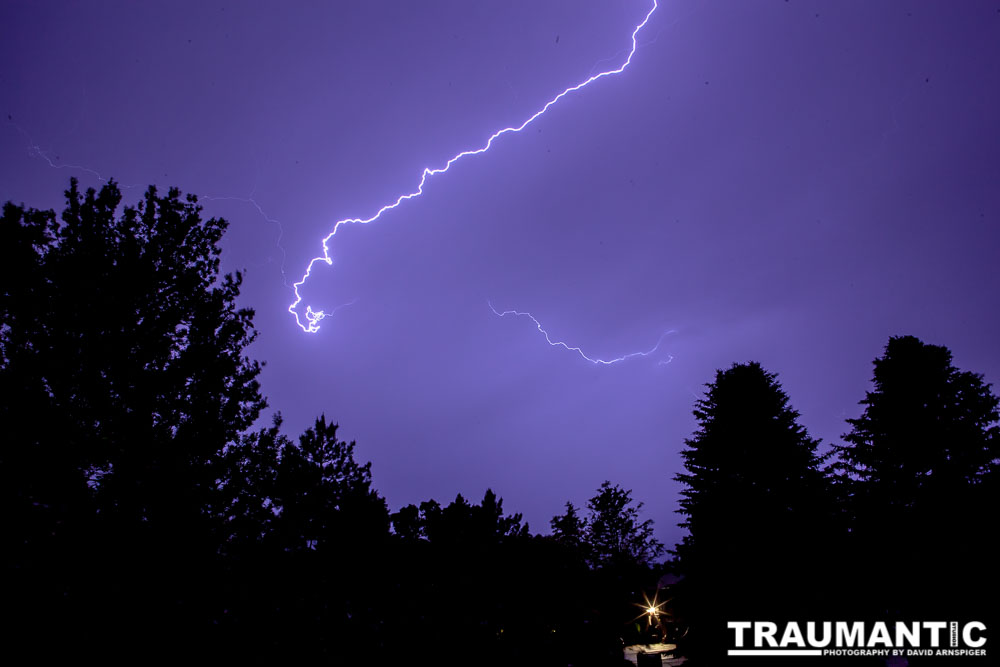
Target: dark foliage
[614,536]
[920,472]
[755,507]
[122,376]
[145,519]
[293,497]
[121,354]
[568,529]
[479,583]
[615,553]
[303,539]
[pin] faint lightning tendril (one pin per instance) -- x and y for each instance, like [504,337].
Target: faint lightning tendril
[281,229]
[571,348]
[314,317]
[36,151]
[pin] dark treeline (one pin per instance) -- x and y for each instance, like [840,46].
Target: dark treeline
[145,518]
[897,524]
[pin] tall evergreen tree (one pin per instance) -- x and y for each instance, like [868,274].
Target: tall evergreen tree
[568,529]
[928,429]
[753,506]
[920,465]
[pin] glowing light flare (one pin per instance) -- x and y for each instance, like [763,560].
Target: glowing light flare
[651,609]
[314,317]
[573,348]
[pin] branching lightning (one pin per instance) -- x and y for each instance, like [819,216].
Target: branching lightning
[36,151]
[571,348]
[312,318]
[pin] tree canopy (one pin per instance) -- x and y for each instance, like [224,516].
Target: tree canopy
[144,510]
[754,505]
[753,472]
[927,429]
[614,533]
[923,455]
[305,495]
[123,376]
[121,354]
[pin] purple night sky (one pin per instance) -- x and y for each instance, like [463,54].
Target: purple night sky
[790,182]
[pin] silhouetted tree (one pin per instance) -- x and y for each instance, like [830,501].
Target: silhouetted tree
[302,521]
[305,495]
[917,466]
[753,506]
[122,352]
[479,524]
[467,579]
[568,529]
[249,492]
[927,428]
[610,555]
[325,496]
[459,521]
[122,376]
[613,533]
[406,523]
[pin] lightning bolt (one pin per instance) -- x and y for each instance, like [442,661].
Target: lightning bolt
[571,348]
[314,317]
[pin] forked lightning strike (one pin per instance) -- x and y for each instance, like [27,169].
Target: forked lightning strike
[571,348]
[314,317]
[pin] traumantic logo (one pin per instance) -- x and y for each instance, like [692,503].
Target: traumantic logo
[857,638]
